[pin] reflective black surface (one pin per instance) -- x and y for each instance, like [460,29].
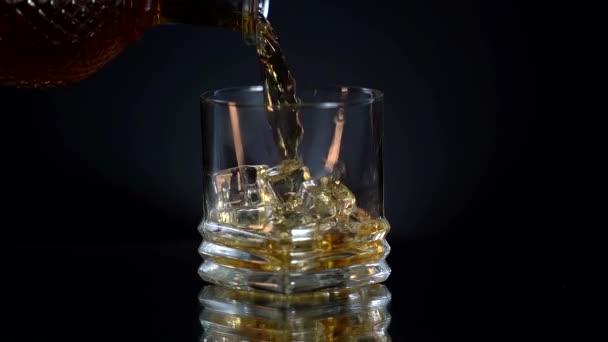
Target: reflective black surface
[441,290]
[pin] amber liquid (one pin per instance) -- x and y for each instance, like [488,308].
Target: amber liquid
[279,92]
[339,247]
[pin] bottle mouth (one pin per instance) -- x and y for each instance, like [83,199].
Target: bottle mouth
[264,7]
[252,9]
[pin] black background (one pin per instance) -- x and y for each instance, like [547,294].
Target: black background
[102,181]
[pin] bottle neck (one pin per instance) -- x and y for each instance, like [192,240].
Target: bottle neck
[237,15]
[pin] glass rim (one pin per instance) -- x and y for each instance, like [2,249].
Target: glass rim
[210,97]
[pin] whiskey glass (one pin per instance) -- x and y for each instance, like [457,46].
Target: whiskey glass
[293,225]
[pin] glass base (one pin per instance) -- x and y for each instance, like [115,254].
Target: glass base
[247,279]
[295,259]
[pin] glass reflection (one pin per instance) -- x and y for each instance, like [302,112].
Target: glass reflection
[359,314]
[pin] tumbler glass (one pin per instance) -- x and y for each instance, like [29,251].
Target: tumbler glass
[297,225]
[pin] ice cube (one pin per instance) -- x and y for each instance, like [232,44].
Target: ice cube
[286,179]
[243,186]
[359,215]
[296,233]
[244,197]
[373,229]
[252,218]
[334,236]
[366,227]
[345,199]
[326,199]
